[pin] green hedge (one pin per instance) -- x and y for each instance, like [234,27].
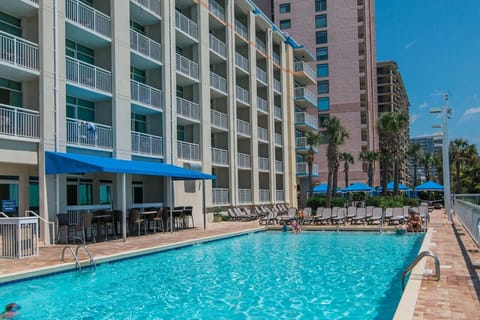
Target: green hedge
[391,201]
[319,201]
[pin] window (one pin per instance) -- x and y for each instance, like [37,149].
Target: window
[179,91]
[321,119]
[285,8]
[323,104]
[10,25]
[9,191]
[139,122]
[180,133]
[105,192]
[322,87]
[322,53]
[137,192]
[77,51]
[33,194]
[320,5]
[322,70]
[321,21]
[137,74]
[80,109]
[10,92]
[321,37]
[285,24]
[137,27]
[79,192]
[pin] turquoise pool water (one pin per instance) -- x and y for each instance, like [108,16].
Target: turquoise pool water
[266,275]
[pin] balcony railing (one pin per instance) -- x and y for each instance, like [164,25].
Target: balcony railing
[19,122]
[262,104]
[220,195]
[218,119]
[89,134]
[188,109]
[277,86]
[18,51]
[145,46]
[242,95]
[261,75]
[241,62]
[219,157]
[277,112]
[301,143]
[244,195]
[304,93]
[264,195]
[152,5]
[241,29]
[278,139]
[188,151]
[88,75]
[147,144]
[243,127]
[145,94]
[302,169]
[217,46]
[187,66]
[262,134]
[218,82]
[244,161]
[303,66]
[216,9]
[263,164]
[307,119]
[278,166]
[260,44]
[280,195]
[276,58]
[186,25]
[88,17]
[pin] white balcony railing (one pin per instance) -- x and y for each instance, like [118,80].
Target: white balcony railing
[276,58]
[188,109]
[244,161]
[262,134]
[263,164]
[278,139]
[145,46]
[307,119]
[151,5]
[188,151]
[277,85]
[218,119]
[301,143]
[304,93]
[280,195]
[262,104]
[277,112]
[18,51]
[220,195]
[89,134]
[264,195]
[241,29]
[217,46]
[303,66]
[219,157]
[216,9]
[218,82]
[244,195]
[242,95]
[147,144]
[19,122]
[261,75]
[278,166]
[88,75]
[260,44]
[241,62]
[145,94]
[302,169]
[187,66]
[243,128]
[88,17]
[186,25]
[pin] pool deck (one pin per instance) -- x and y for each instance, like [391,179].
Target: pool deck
[455,296]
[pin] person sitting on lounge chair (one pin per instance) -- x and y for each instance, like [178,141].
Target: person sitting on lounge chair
[414,223]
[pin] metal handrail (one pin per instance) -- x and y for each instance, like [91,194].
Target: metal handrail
[77,263]
[83,245]
[4,215]
[426,253]
[44,221]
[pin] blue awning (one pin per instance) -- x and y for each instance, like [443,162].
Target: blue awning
[358,187]
[429,186]
[58,163]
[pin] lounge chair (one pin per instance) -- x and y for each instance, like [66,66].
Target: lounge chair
[242,215]
[271,218]
[289,217]
[360,217]
[341,216]
[369,211]
[377,215]
[424,214]
[351,213]
[388,215]
[323,215]
[397,216]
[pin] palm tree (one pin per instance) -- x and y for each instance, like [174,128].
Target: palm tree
[370,157]
[427,161]
[347,159]
[414,151]
[391,125]
[313,139]
[337,134]
[457,154]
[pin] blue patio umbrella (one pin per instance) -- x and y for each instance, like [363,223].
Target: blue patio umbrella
[321,188]
[390,187]
[429,186]
[358,187]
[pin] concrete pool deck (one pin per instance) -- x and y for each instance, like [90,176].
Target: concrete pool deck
[455,296]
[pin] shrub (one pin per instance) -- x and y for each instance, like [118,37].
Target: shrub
[319,201]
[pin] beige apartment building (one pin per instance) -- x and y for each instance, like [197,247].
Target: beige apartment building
[203,85]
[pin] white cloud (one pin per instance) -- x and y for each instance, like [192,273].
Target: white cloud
[414,117]
[437,93]
[423,105]
[410,44]
[469,113]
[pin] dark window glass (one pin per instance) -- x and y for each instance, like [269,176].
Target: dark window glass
[323,104]
[322,87]
[321,37]
[320,5]
[285,8]
[321,21]
[285,24]
[322,53]
[322,70]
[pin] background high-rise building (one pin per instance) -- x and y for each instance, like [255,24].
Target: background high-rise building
[428,144]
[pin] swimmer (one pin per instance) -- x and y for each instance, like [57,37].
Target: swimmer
[10,311]
[285,227]
[296,227]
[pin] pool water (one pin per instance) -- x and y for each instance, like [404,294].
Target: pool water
[266,275]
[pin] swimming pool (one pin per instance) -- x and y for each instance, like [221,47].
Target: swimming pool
[266,275]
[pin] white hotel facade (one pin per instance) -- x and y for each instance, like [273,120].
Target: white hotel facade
[207,85]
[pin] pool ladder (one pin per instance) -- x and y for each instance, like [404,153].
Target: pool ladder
[422,255]
[75,254]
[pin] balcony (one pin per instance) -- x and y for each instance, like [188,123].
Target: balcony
[260,44]
[188,151]
[243,128]
[220,196]
[145,11]
[20,8]
[218,47]
[244,161]
[280,195]
[277,112]
[262,134]
[304,74]
[148,53]
[18,58]
[216,9]
[219,157]
[305,98]
[278,140]
[218,120]
[244,195]
[301,146]
[147,144]
[276,58]
[95,80]
[218,83]
[188,29]
[145,95]
[263,164]
[188,69]
[241,63]
[306,121]
[241,29]
[81,17]
[278,166]
[188,110]
[89,134]
[262,105]
[19,122]
[277,86]
[261,76]
[264,195]
[242,96]
[302,169]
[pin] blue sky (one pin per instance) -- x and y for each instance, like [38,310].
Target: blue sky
[436,44]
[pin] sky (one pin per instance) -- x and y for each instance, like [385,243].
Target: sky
[436,44]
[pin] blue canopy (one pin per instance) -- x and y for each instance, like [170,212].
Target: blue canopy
[429,186]
[390,187]
[358,187]
[58,163]
[322,188]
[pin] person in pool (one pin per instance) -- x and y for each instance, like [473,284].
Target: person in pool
[10,311]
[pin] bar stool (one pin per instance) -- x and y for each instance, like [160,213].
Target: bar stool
[135,220]
[62,224]
[178,217]
[158,221]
